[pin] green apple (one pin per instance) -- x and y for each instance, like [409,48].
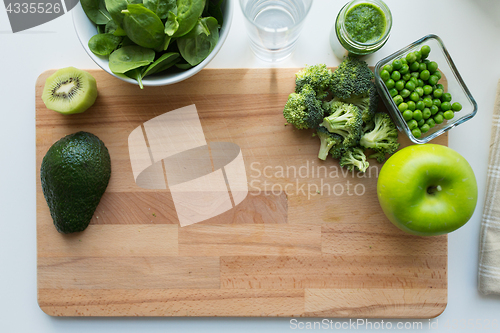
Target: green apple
[427,190]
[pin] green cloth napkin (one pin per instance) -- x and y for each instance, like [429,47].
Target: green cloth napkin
[489,253]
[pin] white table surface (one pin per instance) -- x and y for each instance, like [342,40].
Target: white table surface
[469,28]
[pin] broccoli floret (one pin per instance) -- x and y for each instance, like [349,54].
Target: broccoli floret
[303,109]
[328,140]
[367,102]
[344,120]
[338,150]
[368,126]
[379,156]
[354,158]
[383,138]
[331,106]
[318,77]
[352,78]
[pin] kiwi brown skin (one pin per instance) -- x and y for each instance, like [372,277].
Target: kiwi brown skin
[69,90]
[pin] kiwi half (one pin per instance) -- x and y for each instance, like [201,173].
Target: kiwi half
[69,90]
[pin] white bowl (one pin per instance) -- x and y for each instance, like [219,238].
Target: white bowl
[85,29]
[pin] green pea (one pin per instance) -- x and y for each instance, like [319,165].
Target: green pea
[404,69]
[424,128]
[438,93]
[396,75]
[446,97]
[427,102]
[403,107]
[432,67]
[436,102]
[416,132]
[434,109]
[414,96]
[416,75]
[388,68]
[418,55]
[396,64]
[417,115]
[427,90]
[390,83]
[425,50]
[398,99]
[433,79]
[426,113]
[406,77]
[438,119]
[411,105]
[410,85]
[410,57]
[393,92]
[414,79]
[420,105]
[419,91]
[412,124]
[403,61]
[405,93]
[448,114]
[425,74]
[421,122]
[414,66]
[408,115]
[445,106]
[420,82]
[456,106]
[399,85]
[439,86]
[426,61]
[422,67]
[431,122]
[385,75]
[438,74]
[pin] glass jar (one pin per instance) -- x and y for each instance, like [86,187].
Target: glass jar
[342,41]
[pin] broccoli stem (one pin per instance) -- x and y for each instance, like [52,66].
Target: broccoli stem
[324,148]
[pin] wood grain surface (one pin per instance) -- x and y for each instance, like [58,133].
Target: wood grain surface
[309,240]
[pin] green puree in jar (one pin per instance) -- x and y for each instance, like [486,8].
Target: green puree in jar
[365,23]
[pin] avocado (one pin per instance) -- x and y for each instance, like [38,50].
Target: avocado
[74,174]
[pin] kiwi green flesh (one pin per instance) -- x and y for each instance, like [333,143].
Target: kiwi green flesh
[69,90]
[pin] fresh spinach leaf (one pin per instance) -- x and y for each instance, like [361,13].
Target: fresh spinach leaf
[161,7]
[171,25]
[130,57]
[188,13]
[96,11]
[215,10]
[137,75]
[200,41]
[115,8]
[143,26]
[104,44]
[183,66]
[164,62]
[115,29]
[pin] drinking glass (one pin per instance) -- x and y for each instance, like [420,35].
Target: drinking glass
[274,26]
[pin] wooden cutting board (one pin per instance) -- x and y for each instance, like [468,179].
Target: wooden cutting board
[322,249]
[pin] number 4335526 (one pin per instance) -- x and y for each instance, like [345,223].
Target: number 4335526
[40,8]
